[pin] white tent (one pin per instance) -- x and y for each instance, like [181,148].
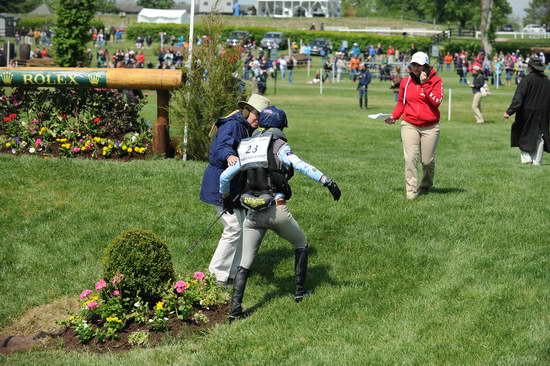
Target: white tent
[163,16]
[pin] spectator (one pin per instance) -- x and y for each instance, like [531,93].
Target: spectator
[448,61]
[340,67]
[531,104]
[290,67]
[418,104]
[363,88]
[395,82]
[476,85]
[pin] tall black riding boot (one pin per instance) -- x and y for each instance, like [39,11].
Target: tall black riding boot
[366,102]
[239,285]
[300,270]
[360,102]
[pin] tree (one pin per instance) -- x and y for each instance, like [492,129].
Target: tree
[156,4]
[21,6]
[211,89]
[538,12]
[72,31]
[485,25]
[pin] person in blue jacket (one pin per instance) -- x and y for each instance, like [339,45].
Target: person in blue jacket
[223,153]
[363,87]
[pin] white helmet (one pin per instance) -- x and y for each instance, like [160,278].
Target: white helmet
[420,58]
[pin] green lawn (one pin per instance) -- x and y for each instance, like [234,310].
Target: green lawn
[457,277]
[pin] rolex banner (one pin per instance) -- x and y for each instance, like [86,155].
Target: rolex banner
[93,79]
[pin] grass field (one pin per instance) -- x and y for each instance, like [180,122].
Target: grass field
[457,277]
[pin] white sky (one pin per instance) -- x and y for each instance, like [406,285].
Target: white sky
[518,7]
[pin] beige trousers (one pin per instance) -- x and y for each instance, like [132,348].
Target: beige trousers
[476,107]
[227,256]
[419,141]
[276,218]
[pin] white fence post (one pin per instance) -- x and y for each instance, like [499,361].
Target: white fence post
[450,104]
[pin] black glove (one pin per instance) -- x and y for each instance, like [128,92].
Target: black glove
[333,188]
[228,205]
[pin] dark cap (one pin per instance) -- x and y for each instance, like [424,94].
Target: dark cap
[273,117]
[536,64]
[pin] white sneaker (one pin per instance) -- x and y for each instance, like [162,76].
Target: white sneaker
[526,157]
[411,196]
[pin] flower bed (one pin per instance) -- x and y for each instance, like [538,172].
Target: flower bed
[91,123]
[108,319]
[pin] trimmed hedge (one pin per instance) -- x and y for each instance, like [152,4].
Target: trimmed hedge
[400,42]
[474,46]
[27,23]
[144,262]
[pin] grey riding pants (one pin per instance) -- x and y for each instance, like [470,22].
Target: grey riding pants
[256,224]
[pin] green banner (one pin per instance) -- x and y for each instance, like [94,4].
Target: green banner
[90,79]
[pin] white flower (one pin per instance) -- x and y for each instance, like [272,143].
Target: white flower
[165,318]
[150,320]
[134,138]
[13,151]
[23,144]
[32,150]
[137,305]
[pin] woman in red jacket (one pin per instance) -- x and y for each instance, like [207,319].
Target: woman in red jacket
[420,95]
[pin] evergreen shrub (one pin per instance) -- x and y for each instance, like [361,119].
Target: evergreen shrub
[399,42]
[143,260]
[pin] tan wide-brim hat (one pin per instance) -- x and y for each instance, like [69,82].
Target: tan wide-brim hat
[256,101]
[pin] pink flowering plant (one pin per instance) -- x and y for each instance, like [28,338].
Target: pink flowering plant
[91,123]
[105,310]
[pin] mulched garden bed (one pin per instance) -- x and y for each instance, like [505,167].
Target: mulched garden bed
[177,328]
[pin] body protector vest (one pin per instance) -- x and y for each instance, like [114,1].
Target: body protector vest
[265,173]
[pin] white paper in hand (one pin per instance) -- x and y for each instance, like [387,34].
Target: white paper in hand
[379,116]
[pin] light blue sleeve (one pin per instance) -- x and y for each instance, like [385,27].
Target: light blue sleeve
[227,175]
[288,158]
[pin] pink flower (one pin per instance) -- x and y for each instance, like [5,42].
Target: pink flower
[76,149]
[92,305]
[199,276]
[181,286]
[100,284]
[37,142]
[116,292]
[85,294]
[35,121]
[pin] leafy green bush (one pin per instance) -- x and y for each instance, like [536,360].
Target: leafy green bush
[201,101]
[474,46]
[143,260]
[400,42]
[33,22]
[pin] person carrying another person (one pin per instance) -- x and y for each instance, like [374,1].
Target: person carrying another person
[223,153]
[531,105]
[268,163]
[420,95]
[476,85]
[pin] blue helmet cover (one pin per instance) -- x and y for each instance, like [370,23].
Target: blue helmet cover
[273,117]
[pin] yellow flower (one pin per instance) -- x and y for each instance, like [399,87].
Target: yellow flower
[129,149]
[8,144]
[114,319]
[42,130]
[110,146]
[160,305]
[97,139]
[104,153]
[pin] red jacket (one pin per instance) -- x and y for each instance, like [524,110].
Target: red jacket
[418,104]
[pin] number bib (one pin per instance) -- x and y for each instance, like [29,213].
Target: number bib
[253,152]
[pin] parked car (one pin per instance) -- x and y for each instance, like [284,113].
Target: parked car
[533,28]
[318,44]
[240,38]
[274,40]
[507,28]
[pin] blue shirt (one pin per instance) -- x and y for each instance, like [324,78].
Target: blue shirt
[287,157]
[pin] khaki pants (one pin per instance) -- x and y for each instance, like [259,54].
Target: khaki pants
[476,107]
[419,141]
[227,256]
[276,218]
